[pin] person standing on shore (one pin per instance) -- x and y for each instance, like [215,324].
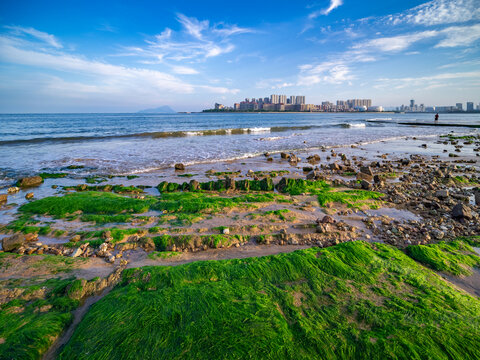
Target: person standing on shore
[436,118]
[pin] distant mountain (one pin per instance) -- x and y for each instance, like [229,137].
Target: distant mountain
[161,109]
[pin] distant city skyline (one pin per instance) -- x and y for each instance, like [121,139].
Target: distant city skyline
[126,56]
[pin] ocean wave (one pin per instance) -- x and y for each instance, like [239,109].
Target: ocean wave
[379,119]
[357,125]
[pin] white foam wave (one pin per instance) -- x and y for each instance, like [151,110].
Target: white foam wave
[257,129]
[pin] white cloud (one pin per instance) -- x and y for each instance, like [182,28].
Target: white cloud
[438,12]
[430,82]
[333,5]
[184,70]
[96,78]
[40,35]
[197,41]
[330,72]
[459,36]
[272,84]
[453,36]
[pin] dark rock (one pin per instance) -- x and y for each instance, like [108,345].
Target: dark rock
[194,185]
[363,176]
[314,159]
[13,242]
[284,155]
[327,219]
[334,167]
[179,167]
[230,183]
[476,193]
[366,170]
[307,168]
[461,211]
[30,181]
[442,194]
[365,185]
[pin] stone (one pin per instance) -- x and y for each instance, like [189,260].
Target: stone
[3,198]
[31,237]
[314,159]
[30,181]
[461,211]
[147,244]
[230,183]
[366,170]
[313,175]
[476,194]
[438,234]
[76,252]
[327,219]
[29,196]
[442,194]
[179,167]
[362,176]
[194,185]
[307,169]
[111,259]
[365,185]
[13,242]
[76,238]
[226,231]
[284,155]
[334,167]
[13,190]
[106,235]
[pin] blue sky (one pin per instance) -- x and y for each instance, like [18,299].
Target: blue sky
[115,56]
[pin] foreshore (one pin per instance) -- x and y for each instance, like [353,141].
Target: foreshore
[403,192]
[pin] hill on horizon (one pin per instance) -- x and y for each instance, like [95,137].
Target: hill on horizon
[160,109]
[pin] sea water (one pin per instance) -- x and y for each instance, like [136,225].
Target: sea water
[137,143]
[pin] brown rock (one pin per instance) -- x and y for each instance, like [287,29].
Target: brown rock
[29,196]
[3,198]
[30,181]
[461,211]
[179,167]
[13,242]
[363,176]
[366,170]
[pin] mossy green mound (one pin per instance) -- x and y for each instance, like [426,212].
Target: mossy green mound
[351,301]
[30,324]
[88,203]
[456,257]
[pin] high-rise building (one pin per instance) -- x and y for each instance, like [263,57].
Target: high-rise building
[459,106]
[300,100]
[293,99]
[412,104]
[274,99]
[282,99]
[470,106]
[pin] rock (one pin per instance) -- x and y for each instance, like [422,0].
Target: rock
[476,193]
[31,237]
[284,155]
[111,259]
[314,159]
[461,211]
[13,190]
[365,185]
[29,196]
[147,244]
[307,169]
[230,183]
[313,175]
[107,234]
[76,238]
[179,167]
[327,219]
[76,252]
[334,167]
[3,198]
[194,185]
[442,194]
[363,176]
[366,170]
[438,234]
[226,231]
[30,181]
[13,242]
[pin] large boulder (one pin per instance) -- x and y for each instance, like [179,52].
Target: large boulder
[366,170]
[461,211]
[14,242]
[30,181]
[362,176]
[3,198]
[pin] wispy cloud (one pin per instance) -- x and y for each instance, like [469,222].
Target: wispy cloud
[438,12]
[273,84]
[431,81]
[95,77]
[196,41]
[333,5]
[40,35]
